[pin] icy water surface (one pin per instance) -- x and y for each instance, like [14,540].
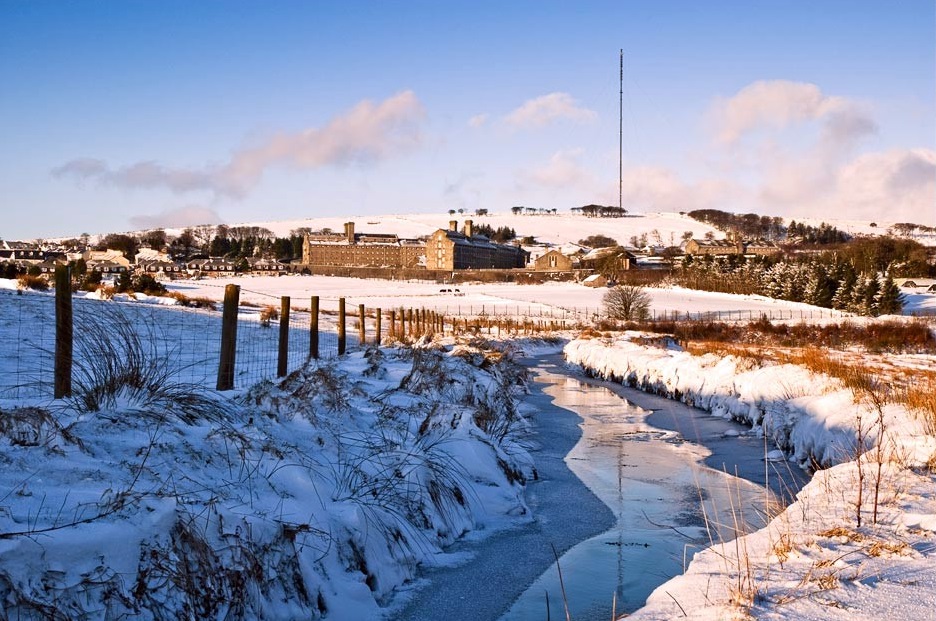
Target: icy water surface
[618,495]
[666,504]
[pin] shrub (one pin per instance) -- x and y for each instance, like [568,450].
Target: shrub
[627,302]
[145,283]
[31,281]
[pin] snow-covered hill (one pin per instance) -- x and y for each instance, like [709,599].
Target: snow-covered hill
[664,228]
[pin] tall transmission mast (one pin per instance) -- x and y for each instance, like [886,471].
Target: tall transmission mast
[621,139]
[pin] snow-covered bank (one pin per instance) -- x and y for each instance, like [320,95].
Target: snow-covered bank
[859,534]
[316,497]
[812,417]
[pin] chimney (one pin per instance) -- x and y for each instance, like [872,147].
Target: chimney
[453,225]
[349,231]
[469,229]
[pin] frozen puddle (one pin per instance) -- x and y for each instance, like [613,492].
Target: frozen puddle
[666,504]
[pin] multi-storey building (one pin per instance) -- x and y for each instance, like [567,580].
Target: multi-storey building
[448,249]
[361,249]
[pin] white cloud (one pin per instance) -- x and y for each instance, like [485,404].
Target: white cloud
[777,104]
[562,170]
[800,150]
[478,120]
[549,109]
[660,189]
[898,185]
[364,134]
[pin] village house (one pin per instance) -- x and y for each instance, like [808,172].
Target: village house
[98,260]
[733,244]
[164,266]
[108,268]
[552,261]
[266,267]
[50,265]
[21,253]
[917,285]
[610,260]
[214,267]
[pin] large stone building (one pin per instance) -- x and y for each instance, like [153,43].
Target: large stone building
[448,250]
[361,249]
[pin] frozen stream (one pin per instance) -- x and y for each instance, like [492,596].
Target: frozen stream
[625,501]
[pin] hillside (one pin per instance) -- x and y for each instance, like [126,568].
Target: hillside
[660,228]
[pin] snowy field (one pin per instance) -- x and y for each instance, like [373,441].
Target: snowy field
[318,498]
[547,300]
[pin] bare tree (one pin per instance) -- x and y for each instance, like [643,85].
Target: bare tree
[627,302]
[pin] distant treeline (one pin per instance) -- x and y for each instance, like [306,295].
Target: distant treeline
[600,211]
[857,277]
[753,226]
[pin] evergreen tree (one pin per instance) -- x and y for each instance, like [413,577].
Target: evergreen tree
[842,299]
[890,300]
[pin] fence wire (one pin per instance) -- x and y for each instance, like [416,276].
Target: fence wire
[187,340]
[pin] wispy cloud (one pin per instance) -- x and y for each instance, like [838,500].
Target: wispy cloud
[478,120]
[660,189]
[895,185]
[563,169]
[365,134]
[190,215]
[548,109]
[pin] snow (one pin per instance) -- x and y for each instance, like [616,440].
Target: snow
[269,491]
[814,560]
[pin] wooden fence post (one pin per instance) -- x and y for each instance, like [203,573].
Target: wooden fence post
[341,326]
[409,320]
[360,314]
[314,327]
[64,333]
[392,323]
[377,328]
[282,363]
[228,338]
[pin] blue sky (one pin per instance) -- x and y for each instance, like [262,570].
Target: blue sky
[125,115]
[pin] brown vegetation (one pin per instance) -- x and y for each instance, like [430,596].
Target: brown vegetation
[874,337]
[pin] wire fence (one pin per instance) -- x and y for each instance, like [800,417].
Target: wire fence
[587,314]
[188,340]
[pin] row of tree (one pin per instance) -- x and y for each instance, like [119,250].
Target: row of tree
[754,226]
[600,211]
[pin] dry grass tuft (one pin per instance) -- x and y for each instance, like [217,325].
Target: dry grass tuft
[36,283]
[840,532]
[191,302]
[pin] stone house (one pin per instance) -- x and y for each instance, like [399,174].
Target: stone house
[552,261]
